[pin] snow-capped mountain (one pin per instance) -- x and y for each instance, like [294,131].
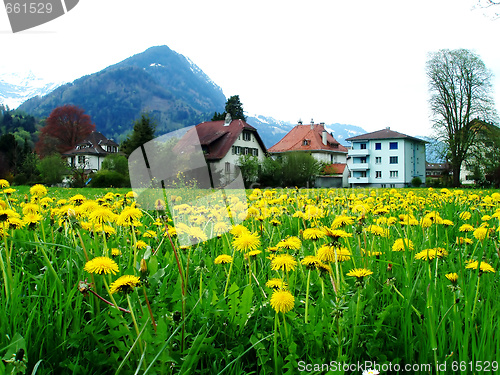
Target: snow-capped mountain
[16,88]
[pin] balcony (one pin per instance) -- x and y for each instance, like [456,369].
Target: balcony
[359,167]
[353,153]
[358,180]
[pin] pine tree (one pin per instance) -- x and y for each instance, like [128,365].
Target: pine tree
[233,107]
[144,131]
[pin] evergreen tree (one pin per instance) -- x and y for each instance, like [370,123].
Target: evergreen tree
[144,131]
[233,107]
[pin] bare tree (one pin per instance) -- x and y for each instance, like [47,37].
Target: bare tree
[461,97]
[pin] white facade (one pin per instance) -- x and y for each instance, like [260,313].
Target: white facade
[386,162]
[245,144]
[90,162]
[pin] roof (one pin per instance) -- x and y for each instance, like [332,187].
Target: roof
[335,168]
[92,145]
[217,139]
[313,133]
[386,133]
[437,166]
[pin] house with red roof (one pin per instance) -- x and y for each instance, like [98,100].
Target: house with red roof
[312,138]
[89,153]
[316,140]
[386,158]
[224,142]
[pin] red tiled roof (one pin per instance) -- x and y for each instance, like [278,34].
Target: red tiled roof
[217,139]
[335,168]
[386,133]
[294,140]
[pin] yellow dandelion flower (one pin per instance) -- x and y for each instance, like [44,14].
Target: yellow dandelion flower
[125,284]
[481,233]
[238,230]
[290,243]
[377,230]
[466,228]
[401,244]
[38,190]
[453,277]
[483,267]
[102,215]
[197,234]
[284,262]
[282,301]
[328,253]
[341,221]
[359,273]
[115,251]
[276,283]
[252,254]
[149,234]
[221,227]
[141,245]
[101,265]
[313,234]
[336,233]
[310,262]
[4,183]
[223,259]
[430,254]
[31,219]
[246,241]
[129,216]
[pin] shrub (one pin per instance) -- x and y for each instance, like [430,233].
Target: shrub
[105,178]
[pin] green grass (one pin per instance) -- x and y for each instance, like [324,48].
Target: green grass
[406,313]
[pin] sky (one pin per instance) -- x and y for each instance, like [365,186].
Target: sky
[352,62]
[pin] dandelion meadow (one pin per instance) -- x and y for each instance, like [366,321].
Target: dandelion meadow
[93,284]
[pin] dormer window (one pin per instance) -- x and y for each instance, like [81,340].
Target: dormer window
[247,136]
[306,142]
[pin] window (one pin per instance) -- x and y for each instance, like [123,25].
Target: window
[394,174]
[378,146]
[378,174]
[393,145]
[247,136]
[393,160]
[81,159]
[362,146]
[228,167]
[378,160]
[255,151]
[362,174]
[305,142]
[362,160]
[237,150]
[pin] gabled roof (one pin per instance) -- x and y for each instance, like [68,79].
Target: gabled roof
[313,134]
[386,133]
[92,145]
[217,139]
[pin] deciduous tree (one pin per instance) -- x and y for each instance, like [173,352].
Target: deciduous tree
[65,127]
[461,97]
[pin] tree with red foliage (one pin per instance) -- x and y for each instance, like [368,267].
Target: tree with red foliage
[65,128]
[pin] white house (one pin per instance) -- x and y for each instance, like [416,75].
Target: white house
[385,158]
[224,142]
[89,154]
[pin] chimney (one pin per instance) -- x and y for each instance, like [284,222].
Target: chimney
[323,136]
[312,124]
[227,120]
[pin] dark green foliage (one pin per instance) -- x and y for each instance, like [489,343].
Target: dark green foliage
[52,169]
[270,172]
[249,166]
[173,90]
[299,169]
[117,163]
[416,182]
[233,107]
[143,132]
[106,178]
